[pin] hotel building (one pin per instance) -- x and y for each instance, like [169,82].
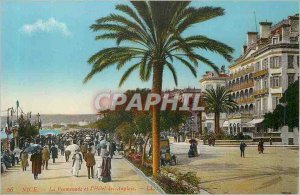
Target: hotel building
[259,77]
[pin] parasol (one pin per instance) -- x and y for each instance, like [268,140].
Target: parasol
[34,148]
[72,147]
[192,141]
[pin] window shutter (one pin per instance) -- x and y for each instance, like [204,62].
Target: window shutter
[271,82]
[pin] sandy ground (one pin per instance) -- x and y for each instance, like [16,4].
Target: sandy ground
[58,179]
[222,170]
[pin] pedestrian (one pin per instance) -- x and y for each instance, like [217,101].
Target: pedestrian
[36,159]
[54,152]
[62,149]
[260,147]
[105,168]
[17,153]
[67,155]
[90,163]
[77,161]
[83,149]
[98,171]
[242,149]
[24,159]
[270,140]
[45,157]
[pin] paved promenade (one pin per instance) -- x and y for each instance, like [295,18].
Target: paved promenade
[222,170]
[58,179]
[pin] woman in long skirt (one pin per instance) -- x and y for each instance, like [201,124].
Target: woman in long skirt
[24,160]
[77,161]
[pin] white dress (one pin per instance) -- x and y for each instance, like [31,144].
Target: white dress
[76,165]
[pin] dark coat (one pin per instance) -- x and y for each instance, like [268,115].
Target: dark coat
[242,146]
[36,160]
[54,152]
[106,166]
[89,159]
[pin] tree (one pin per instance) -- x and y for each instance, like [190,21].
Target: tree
[219,101]
[26,129]
[153,31]
[275,119]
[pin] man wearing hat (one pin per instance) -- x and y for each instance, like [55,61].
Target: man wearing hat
[90,162]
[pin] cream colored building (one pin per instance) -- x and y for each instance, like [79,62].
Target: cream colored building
[269,63]
[208,81]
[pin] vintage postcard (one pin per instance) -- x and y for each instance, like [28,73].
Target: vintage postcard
[149,97]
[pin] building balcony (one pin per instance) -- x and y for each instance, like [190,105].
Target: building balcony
[245,100]
[260,92]
[241,73]
[260,73]
[241,86]
[240,115]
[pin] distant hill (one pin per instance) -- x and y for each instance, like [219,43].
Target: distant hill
[59,118]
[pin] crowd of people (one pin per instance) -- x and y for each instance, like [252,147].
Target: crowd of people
[77,147]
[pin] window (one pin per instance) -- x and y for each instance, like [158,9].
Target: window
[275,62]
[275,81]
[275,102]
[265,64]
[257,85]
[275,40]
[290,79]
[265,83]
[298,61]
[290,61]
[257,66]
[257,106]
[265,105]
[209,126]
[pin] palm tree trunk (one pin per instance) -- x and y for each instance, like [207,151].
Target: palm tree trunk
[217,123]
[200,123]
[156,89]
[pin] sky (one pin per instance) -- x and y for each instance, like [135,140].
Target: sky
[45,47]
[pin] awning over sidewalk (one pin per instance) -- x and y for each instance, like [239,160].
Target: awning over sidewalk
[255,121]
[225,124]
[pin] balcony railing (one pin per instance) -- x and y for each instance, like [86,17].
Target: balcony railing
[245,100]
[243,85]
[241,73]
[260,92]
[260,73]
[241,115]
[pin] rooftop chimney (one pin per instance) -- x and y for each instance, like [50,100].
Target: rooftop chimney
[251,38]
[265,29]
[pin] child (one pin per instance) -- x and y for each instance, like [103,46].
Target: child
[98,171]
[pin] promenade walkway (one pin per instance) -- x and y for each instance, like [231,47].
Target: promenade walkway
[58,179]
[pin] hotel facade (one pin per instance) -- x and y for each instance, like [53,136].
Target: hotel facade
[259,77]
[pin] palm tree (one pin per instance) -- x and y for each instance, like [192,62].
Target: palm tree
[219,101]
[151,33]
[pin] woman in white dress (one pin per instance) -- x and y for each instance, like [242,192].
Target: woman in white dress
[77,161]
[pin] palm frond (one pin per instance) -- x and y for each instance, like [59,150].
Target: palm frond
[173,71]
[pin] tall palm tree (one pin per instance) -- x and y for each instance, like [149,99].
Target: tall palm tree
[151,33]
[219,101]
